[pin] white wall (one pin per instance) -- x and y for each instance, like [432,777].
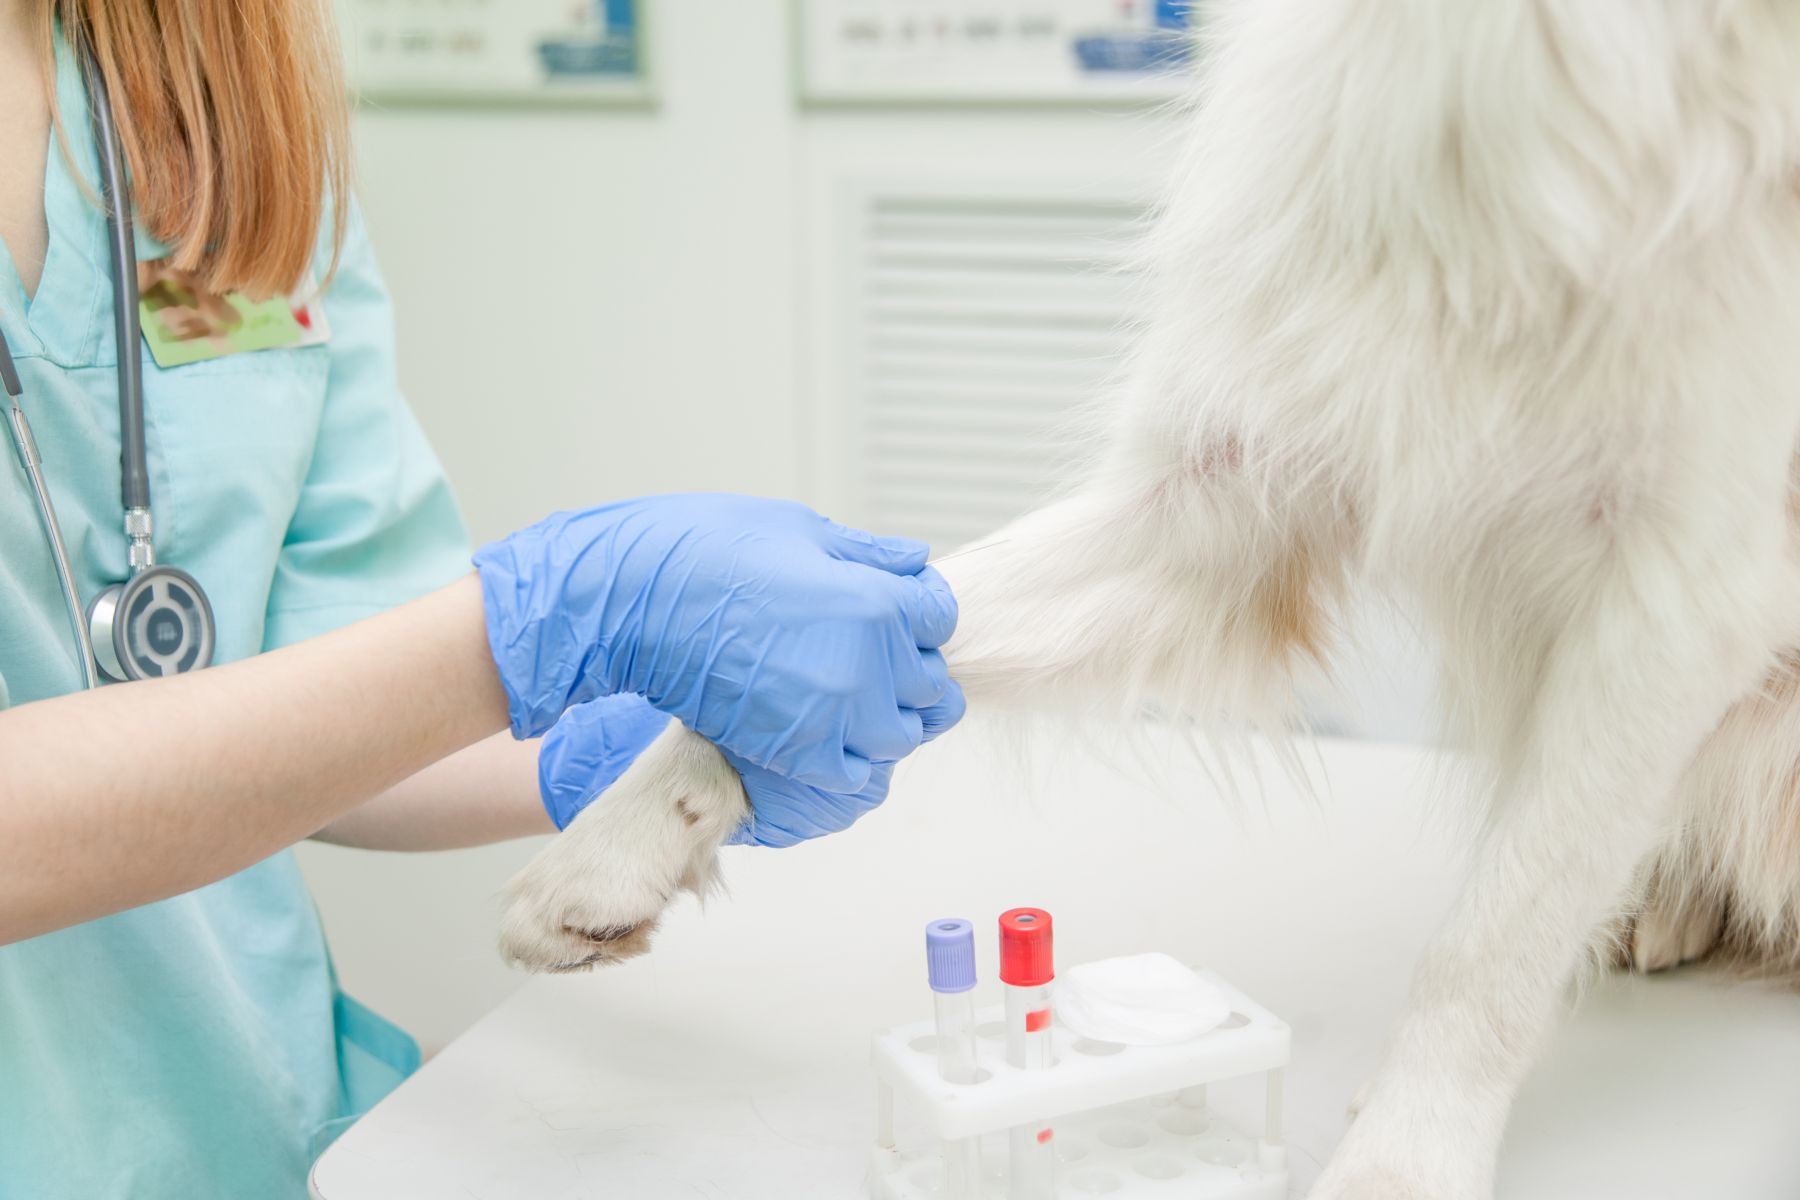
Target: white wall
[580,293]
[599,304]
[590,305]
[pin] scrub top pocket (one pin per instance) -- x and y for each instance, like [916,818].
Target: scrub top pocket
[230,444]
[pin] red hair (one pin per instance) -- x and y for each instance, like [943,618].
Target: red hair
[235,124]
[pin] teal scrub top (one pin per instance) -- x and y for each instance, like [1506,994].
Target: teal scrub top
[200,1046]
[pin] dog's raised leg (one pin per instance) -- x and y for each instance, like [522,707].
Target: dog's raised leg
[1193,588]
[1110,596]
[1627,693]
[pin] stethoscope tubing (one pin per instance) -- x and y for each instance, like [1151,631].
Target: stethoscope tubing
[134,473]
[26,445]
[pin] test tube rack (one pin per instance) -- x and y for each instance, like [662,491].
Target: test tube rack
[1131,1122]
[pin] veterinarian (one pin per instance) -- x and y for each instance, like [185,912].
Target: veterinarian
[169,1021]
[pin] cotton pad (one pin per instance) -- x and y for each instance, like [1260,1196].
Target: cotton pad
[1139,1000]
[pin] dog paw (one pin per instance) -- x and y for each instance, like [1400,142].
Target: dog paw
[1352,1178]
[1370,1185]
[1408,1152]
[1667,934]
[1376,1184]
[594,895]
[558,918]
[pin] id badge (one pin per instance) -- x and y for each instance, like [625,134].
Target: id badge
[184,323]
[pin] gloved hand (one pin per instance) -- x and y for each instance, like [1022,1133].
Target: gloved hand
[592,745]
[587,751]
[784,812]
[792,642]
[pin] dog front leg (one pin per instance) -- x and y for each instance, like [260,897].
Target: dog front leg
[1191,590]
[1202,592]
[1626,697]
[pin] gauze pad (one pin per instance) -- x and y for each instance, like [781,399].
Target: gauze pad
[1139,1000]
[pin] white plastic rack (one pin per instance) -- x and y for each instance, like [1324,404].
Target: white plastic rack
[1131,1122]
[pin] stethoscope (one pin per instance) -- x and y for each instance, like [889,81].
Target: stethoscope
[159,621]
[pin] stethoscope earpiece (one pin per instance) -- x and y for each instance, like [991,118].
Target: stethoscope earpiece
[157,623]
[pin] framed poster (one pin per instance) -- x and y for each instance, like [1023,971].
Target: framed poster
[999,51]
[496,52]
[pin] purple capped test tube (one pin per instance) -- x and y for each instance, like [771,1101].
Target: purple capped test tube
[950,958]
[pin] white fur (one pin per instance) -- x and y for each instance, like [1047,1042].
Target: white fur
[1493,305]
[593,896]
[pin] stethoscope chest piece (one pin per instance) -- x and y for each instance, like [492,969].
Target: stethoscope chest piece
[157,623]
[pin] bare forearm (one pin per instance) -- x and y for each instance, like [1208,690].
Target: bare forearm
[117,797]
[485,793]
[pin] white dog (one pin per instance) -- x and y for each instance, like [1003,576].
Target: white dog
[1494,305]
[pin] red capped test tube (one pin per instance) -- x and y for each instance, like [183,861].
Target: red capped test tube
[1027,970]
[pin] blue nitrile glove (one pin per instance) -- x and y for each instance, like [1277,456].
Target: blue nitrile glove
[594,743]
[784,812]
[790,641]
[587,751]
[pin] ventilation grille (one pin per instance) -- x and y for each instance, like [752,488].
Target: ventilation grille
[984,323]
